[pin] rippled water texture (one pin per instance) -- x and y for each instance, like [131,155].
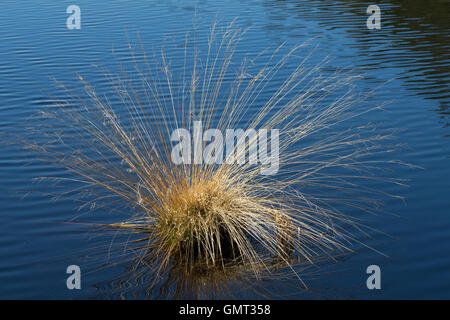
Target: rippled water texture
[411,51]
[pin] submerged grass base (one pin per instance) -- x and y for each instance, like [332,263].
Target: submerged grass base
[213,219]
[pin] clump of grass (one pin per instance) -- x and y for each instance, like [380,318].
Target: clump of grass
[201,216]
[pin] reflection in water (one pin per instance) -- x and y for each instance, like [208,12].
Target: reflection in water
[414,38]
[234,279]
[141,279]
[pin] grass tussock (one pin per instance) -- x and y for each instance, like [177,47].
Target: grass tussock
[117,146]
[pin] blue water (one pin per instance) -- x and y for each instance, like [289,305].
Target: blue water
[411,51]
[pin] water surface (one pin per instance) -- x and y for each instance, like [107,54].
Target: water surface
[411,51]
